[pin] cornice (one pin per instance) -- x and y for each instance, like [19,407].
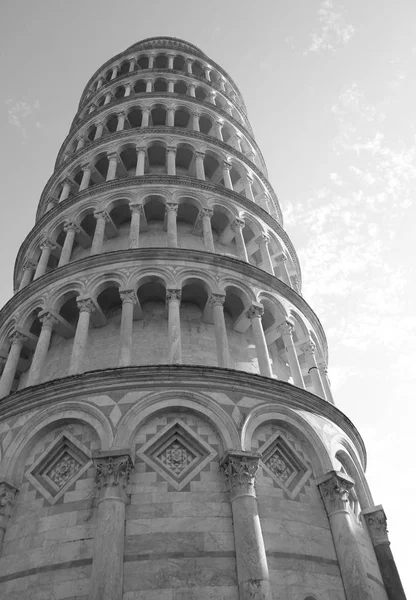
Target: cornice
[131,101]
[77,268]
[173,378]
[73,159]
[126,77]
[167,180]
[166,45]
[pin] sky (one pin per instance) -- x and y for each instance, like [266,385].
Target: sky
[330,91]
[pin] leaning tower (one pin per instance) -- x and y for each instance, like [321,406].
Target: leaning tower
[167,426]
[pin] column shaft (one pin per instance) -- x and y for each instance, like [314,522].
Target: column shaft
[237,227]
[141,155]
[134,234]
[46,248]
[27,274]
[65,257]
[42,348]
[173,298]
[254,314]
[86,307]
[98,239]
[171,212]
[309,350]
[10,368]
[207,230]
[171,154]
[223,355]
[199,161]
[112,167]
[286,329]
[265,254]
[128,298]
[227,177]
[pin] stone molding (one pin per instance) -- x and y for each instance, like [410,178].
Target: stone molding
[376,520]
[240,470]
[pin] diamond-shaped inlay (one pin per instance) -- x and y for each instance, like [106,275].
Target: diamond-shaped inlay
[59,467]
[177,453]
[281,462]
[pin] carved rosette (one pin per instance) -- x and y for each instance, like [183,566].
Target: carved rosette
[7,499]
[112,474]
[377,525]
[240,469]
[335,491]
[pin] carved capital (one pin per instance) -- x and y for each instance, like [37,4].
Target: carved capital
[376,520]
[128,296]
[226,165]
[240,469]
[86,167]
[17,338]
[255,310]
[206,212]
[173,295]
[141,149]
[286,328]
[170,207]
[216,300]
[112,156]
[48,320]
[238,224]
[309,347]
[112,473]
[281,259]
[47,245]
[335,490]
[102,214]
[200,154]
[30,264]
[171,149]
[71,226]
[86,305]
[263,239]
[137,207]
[7,499]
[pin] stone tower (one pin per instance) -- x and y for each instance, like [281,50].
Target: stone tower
[167,426]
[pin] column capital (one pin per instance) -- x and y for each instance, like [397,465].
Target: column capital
[102,214]
[190,60]
[171,207]
[71,226]
[7,499]
[112,472]
[47,319]
[47,244]
[128,295]
[86,305]
[171,149]
[86,167]
[335,490]
[282,258]
[200,154]
[141,149]
[240,469]
[173,295]
[226,165]
[30,264]
[263,239]
[171,55]
[17,337]
[238,224]
[112,155]
[308,347]
[206,212]
[196,113]
[136,207]
[216,300]
[121,113]
[286,328]
[376,520]
[255,310]
[323,367]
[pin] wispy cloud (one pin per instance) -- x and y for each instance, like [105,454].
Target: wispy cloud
[334,31]
[19,114]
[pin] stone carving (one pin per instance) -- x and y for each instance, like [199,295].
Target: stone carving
[335,493]
[128,296]
[7,498]
[377,525]
[48,320]
[176,457]
[102,214]
[240,473]
[278,466]
[113,470]
[64,469]
[173,295]
[216,300]
[256,310]
[86,305]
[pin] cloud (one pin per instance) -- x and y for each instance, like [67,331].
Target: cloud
[333,32]
[19,113]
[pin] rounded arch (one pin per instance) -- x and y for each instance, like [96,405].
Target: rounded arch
[343,452]
[156,402]
[299,426]
[16,453]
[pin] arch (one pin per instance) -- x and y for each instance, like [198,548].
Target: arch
[16,453]
[156,402]
[344,453]
[276,412]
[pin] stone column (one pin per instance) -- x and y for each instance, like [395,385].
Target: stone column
[65,190]
[207,73]
[226,168]
[376,520]
[149,85]
[240,469]
[211,97]
[218,130]
[195,121]
[102,218]
[112,166]
[323,369]
[132,65]
[107,98]
[128,90]
[192,90]
[48,321]
[171,157]
[237,227]
[255,314]
[171,212]
[47,246]
[141,157]
[189,63]
[129,299]
[199,161]
[114,73]
[170,117]
[206,214]
[248,182]
[86,307]
[29,268]
[112,474]
[286,329]
[100,82]
[71,229]
[151,61]
[136,210]
[52,202]
[221,84]
[121,118]
[145,117]
[9,372]
[173,298]
[7,499]
[223,354]
[171,58]
[80,143]
[99,131]
[309,351]
[335,488]
[264,242]
[86,176]
[281,261]
[171,86]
